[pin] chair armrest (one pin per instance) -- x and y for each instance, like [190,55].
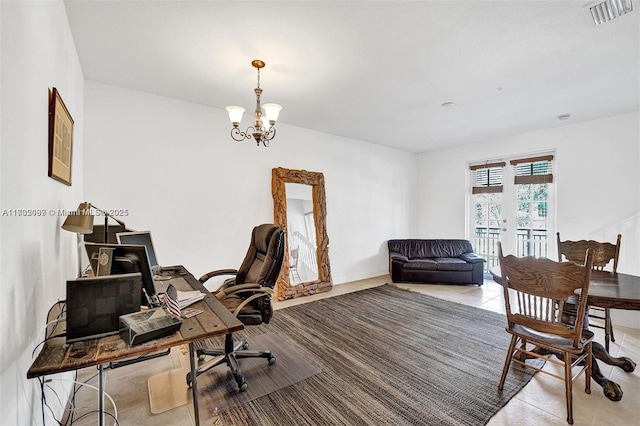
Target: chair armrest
[217,273]
[265,290]
[397,256]
[225,291]
[472,257]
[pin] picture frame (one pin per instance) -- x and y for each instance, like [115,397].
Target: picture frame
[60,139]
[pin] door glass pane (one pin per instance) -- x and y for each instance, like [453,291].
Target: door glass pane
[531,220]
[487,227]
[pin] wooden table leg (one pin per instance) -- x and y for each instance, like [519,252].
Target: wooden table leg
[611,389]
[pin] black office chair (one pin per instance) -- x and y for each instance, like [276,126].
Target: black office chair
[248,296]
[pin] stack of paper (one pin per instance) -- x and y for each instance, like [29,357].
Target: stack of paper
[186,298]
[177,300]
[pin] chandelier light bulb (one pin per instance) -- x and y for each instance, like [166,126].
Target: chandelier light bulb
[272,111]
[235,114]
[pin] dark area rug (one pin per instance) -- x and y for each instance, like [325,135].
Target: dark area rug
[388,357]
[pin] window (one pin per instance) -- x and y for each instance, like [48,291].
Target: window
[487,178]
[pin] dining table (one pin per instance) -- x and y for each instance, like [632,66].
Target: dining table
[606,290]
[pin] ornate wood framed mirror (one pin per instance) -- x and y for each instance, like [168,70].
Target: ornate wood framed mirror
[284,287]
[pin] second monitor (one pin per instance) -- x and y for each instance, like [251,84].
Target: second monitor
[126,259]
[142,238]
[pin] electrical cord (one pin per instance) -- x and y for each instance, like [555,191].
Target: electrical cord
[115,420]
[72,400]
[45,404]
[55,321]
[46,338]
[45,341]
[75,382]
[45,407]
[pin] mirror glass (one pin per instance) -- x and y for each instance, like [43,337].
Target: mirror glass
[293,213]
[301,234]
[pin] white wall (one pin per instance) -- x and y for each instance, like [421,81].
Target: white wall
[597,177]
[175,168]
[37,257]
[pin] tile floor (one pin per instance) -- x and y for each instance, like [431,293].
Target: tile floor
[540,402]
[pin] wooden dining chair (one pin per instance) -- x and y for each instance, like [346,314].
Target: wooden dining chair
[545,303]
[603,254]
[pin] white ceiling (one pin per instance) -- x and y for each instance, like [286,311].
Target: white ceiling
[377,71]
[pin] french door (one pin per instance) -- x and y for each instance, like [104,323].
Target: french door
[513,202]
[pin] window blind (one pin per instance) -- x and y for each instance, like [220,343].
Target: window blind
[533,170]
[487,178]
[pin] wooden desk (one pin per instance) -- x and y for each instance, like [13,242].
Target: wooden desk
[606,290]
[56,356]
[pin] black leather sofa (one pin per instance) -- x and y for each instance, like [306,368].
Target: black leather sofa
[434,261]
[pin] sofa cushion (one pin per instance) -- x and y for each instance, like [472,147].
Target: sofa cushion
[449,248]
[423,264]
[412,249]
[452,264]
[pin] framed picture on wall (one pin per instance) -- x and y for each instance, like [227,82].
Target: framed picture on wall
[60,139]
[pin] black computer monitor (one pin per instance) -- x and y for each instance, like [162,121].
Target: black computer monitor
[127,258]
[142,238]
[95,304]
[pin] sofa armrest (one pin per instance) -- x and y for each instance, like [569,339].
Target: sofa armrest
[397,256]
[471,257]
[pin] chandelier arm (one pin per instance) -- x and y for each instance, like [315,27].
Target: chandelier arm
[239,136]
[270,134]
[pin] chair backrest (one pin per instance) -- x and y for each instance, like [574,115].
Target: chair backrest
[264,258]
[603,253]
[536,291]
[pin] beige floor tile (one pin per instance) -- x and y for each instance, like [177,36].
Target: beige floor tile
[520,413]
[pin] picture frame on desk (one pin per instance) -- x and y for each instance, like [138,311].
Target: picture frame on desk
[60,139]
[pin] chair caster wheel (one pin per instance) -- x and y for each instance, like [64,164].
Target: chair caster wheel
[242,384]
[272,360]
[201,357]
[189,381]
[245,346]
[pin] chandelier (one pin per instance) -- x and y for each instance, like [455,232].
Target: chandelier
[261,132]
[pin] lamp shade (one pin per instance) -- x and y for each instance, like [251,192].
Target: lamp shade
[80,221]
[235,114]
[272,111]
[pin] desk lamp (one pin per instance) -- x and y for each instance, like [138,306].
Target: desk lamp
[81,222]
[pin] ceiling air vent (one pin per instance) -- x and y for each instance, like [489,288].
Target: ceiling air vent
[603,11]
